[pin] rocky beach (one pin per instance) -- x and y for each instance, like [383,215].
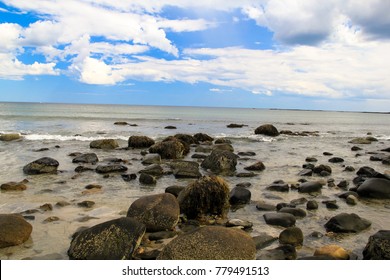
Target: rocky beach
[231,184]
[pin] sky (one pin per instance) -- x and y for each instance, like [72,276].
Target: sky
[295,54]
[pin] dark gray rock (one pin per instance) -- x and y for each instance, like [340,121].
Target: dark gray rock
[157,212]
[104,169]
[147,179]
[202,137]
[267,129]
[292,236]
[306,172]
[171,149]
[175,190]
[240,195]
[378,246]
[336,160]
[41,166]
[263,240]
[105,144]
[311,159]
[140,142]
[210,243]
[297,212]
[298,201]
[247,154]
[152,159]
[323,170]
[263,206]
[258,166]
[312,205]
[113,240]
[14,230]
[284,252]
[310,187]
[278,187]
[170,127]
[199,156]
[375,188]
[154,170]
[221,162]
[185,169]
[129,177]
[86,158]
[280,219]
[347,223]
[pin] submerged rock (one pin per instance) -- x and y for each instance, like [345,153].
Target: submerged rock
[113,240]
[10,137]
[103,169]
[221,162]
[14,230]
[267,129]
[158,212]
[344,223]
[258,166]
[292,236]
[140,142]
[310,187]
[106,144]
[202,137]
[378,246]
[210,243]
[86,158]
[14,186]
[185,169]
[280,219]
[41,166]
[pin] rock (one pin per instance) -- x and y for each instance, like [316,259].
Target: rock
[247,154]
[327,154]
[204,197]
[375,188]
[239,223]
[185,169]
[306,172]
[41,166]
[311,159]
[81,169]
[258,166]
[332,204]
[363,141]
[86,158]
[128,177]
[267,129]
[351,200]
[121,123]
[14,186]
[113,240]
[347,223]
[310,187]
[147,179]
[152,159]
[347,193]
[356,148]
[322,170]
[104,169]
[223,147]
[280,219]
[343,184]
[105,144]
[14,230]
[10,137]
[157,212]
[262,206]
[221,162]
[284,204]
[172,149]
[199,156]
[298,201]
[210,243]
[222,141]
[86,204]
[202,137]
[175,190]
[284,252]
[333,251]
[263,240]
[378,246]
[292,236]
[244,184]
[153,170]
[186,138]
[170,127]
[153,236]
[349,168]
[297,212]
[312,205]
[278,187]
[140,142]
[336,160]
[235,125]
[240,195]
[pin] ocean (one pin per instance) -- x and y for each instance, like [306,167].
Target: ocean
[56,130]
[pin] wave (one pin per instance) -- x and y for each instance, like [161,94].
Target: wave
[40,137]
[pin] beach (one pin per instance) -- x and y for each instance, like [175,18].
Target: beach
[58,204]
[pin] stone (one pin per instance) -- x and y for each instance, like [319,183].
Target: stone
[299,201]
[186,138]
[312,205]
[202,137]
[14,230]
[175,190]
[104,169]
[336,160]
[10,137]
[311,159]
[235,125]
[221,162]
[263,206]
[378,246]
[347,223]
[199,156]
[239,195]
[86,204]
[152,159]
[343,184]
[310,187]
[170,127]
[129,177]
[157,212]
[86,158]
[185,169]
[351,200]
[268,130]
[280,219]
[223,147]
[247,154]
[172,149]
[333,251]
[246,174]
[113,240]
[222,141]
[45,165]
[14,186]
[121,123]
[81,169]
[153,170]
[306,172]
[297,212]
[283,252]
[292,236]
[263,240]
[375,188]
[210,243]
[105,144]
[239,223]
[140,142]
[278,187]
[323,170]
[207,196]
[361,141]
[147,179]
[258,166]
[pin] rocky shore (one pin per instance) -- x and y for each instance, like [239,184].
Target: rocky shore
[203,216]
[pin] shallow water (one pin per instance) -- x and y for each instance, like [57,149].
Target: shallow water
[72,127]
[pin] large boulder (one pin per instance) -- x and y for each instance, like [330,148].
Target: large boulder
[221,162]
[375,188]
[210,243]
[347,223]
[185,169]
[86,158]
[41,166]
[267,129]
[205,197]
[378,246]
[158,212]
[14,230]
[140,142]
[105,144]
[171,149]
[10,137]
[113,240]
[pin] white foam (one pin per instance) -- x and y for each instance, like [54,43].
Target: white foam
[40,137]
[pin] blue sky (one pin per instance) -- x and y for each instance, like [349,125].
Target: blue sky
[303,54]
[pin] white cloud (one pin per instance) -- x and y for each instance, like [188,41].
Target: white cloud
[10,36]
